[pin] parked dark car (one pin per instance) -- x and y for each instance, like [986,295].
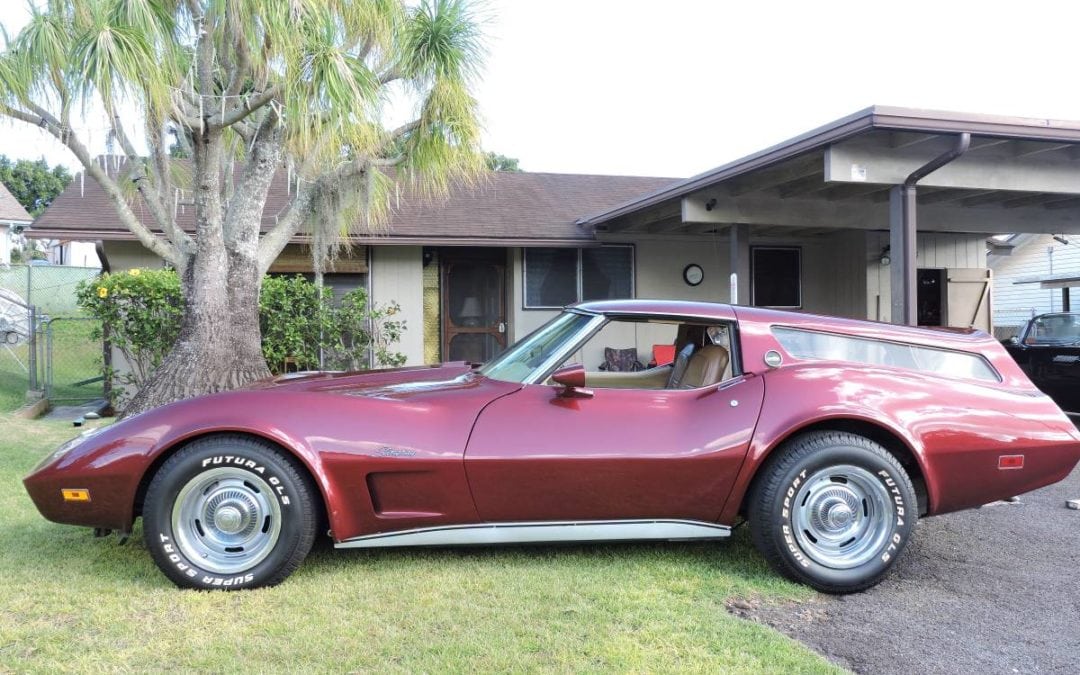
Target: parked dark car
[1048,350]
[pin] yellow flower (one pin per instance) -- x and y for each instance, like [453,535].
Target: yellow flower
[102,292]
[134,272]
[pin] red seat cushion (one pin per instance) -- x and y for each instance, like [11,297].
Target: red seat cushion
[663,354]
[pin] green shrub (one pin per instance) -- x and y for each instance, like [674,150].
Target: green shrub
[140,310]
[294,323]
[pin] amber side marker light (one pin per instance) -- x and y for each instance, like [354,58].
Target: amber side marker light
[75,495]
[1011,462]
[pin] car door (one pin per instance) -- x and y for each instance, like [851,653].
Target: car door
[619,454]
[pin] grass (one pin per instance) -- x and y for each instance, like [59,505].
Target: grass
[71,602]
[13,379]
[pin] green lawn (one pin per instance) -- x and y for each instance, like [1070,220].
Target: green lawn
[13,379]
[70,602]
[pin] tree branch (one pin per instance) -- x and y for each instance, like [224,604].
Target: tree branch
[389,76]
[246,208]
[407,128]
[147,186]
[242,68]
[161,247]
[245,108]
[274,241]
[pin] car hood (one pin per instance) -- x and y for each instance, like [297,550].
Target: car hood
[391,383]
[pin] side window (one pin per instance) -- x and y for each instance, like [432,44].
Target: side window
[656,355]
[806,344]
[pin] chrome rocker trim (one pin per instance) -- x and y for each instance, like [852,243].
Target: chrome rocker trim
[542,533]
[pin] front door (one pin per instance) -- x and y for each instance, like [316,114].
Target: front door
[473,304]
[622,454]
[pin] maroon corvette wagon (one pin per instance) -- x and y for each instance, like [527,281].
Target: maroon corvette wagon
[830,436]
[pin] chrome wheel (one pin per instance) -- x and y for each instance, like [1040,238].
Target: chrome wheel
[226,520]
[842,516]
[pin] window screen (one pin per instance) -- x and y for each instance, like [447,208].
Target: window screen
[776,277]
[550,277]
[555,277]
[606,272]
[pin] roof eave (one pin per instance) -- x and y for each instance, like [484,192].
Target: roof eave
[875,117]
[368,240]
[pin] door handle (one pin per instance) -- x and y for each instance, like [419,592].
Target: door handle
[502,326]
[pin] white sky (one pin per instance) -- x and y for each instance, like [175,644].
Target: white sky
[674,88]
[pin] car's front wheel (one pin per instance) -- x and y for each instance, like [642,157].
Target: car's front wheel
[832,510]
[228,512]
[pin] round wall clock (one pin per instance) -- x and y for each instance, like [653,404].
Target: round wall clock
[692,274]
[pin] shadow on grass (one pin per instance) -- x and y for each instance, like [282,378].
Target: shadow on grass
[736,559]
[74,553]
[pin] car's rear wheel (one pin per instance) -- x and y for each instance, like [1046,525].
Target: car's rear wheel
[832,510]
[229,512]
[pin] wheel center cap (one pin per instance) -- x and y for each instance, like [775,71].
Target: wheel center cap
[839,516]
[229,519]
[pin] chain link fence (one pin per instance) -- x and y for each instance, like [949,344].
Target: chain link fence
[1009,322]
[47,346]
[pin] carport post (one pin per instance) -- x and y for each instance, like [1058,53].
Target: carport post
[739,239]
[903,223]
[902,271]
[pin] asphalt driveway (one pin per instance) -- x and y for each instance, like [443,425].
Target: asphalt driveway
[993,590]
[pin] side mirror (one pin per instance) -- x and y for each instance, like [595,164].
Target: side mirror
[1014,340]
[573,378]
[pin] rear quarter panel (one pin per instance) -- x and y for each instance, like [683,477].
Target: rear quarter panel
[956,429]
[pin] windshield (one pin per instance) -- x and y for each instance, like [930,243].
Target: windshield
[1055,329]
[520,361]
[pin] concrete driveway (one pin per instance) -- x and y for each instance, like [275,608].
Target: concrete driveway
[993,590]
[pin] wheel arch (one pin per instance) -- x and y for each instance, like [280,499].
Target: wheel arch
[298,459]
[880,434]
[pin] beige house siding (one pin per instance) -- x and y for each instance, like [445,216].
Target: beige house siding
[935,250]
[126,255]
[833,280]
[397,275]
[5,244]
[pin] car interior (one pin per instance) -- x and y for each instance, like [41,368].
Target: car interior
[656,355]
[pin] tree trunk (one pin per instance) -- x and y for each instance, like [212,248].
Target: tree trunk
[219,346]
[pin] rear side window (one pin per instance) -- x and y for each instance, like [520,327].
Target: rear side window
[806,344]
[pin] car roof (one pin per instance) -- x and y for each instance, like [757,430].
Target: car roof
[684,308]
[957,338]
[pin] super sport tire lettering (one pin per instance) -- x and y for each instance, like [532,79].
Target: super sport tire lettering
[279,491]
[771,506]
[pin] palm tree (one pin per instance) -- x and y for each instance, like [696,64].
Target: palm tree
[249,88]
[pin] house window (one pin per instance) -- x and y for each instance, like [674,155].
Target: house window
[555,277]
[776,276]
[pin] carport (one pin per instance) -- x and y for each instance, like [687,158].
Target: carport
[904,172]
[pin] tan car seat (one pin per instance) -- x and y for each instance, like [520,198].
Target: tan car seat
[706,367]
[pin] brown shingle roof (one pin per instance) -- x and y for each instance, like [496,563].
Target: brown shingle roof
[507,209]
[11,209]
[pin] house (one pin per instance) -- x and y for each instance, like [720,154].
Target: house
[73,253]
[13,219]
[884,214]
[1033,275]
